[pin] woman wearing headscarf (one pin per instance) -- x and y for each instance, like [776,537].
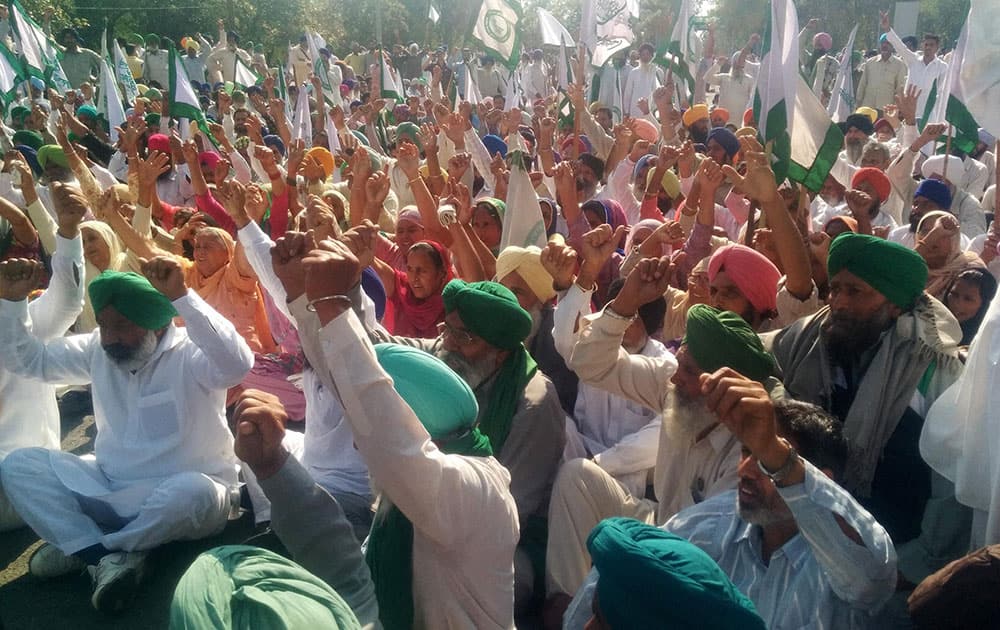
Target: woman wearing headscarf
[487,222]
[968,298]
[415,294]
[409,230]
[939,244]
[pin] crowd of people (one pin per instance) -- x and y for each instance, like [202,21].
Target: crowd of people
[693,397]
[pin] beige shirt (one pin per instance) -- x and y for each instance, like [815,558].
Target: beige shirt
[881,81]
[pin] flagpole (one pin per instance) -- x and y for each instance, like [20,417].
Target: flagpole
[947,152]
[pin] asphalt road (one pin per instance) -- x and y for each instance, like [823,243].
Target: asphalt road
[28,604]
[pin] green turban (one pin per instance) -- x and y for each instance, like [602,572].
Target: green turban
[496,207]
[489,310]
[135,39]
[52,153]
[409,130]
[28,138]
[649,576]
[440,398]
[153,94]
[718,339]
[153,119]
[87,110]
[895,271]
[153,38]
[237,586]
[134,297]
[19,113]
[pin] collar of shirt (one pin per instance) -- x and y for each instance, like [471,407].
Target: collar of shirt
[795,549]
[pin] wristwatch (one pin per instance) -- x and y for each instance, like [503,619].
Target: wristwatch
[782,473]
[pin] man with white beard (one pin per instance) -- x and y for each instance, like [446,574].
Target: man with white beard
[858,129]
[163,466]
[697,456]
[482,340]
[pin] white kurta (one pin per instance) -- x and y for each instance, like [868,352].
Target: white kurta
[641,83]
[465,523]
[28,414]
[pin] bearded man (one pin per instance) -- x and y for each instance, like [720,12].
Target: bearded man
[163,465]
[696,458]
[876,358]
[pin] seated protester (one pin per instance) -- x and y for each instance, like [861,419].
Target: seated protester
[679,303]
[441,550]
[930,195]
[866,208]
[29,416]
[938,244]
[326,449]
[414,296]
[482,340]
[163,466]
[409,230]
[858,129]
[959,435]
[968,297]
[774,536]
[487,222]
[696,456]
[963,205]
[649,576]
[524,272]
[613,428]
[829,202]
[212,593]
[876,358]
[961,595]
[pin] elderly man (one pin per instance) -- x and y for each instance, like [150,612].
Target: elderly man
[29,416]
[949,170]
[155,64]
[875,358]
[522,270]
[790,538]
[441,549]
[929,196]
[163,466]
[642,81]
[482,340]
[858,129]
[695,457]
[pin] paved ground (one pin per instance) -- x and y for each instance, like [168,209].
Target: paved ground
[28,604]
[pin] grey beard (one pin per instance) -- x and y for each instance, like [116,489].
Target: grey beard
[141,355]
[762,516]
[536,324]
[854,151]
[684,419]
[475,374]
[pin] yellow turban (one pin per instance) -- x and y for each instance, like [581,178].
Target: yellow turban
[694,114]
[527,262]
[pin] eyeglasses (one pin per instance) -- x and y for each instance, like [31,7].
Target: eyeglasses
[460,336]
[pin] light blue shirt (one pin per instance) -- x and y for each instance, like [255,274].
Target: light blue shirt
[820,578]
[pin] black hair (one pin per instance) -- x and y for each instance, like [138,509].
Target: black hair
[987,291]
[936,38]
[651,313]
[818,436]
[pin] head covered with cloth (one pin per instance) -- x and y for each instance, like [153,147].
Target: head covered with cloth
[132,316]
[484,331]
[650,578]
[447,408]
[237,586]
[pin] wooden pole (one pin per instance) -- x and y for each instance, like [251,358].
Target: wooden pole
[947,152]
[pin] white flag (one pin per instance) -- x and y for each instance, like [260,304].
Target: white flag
[389,83]
[512,98]
[302,121]
[841,103]
[472,94]
[124,74]
[10,77]
[244,77]
[523,225]
[980,74]
[553,33]
[497,29]
[604,28]
[110,103]
[433,15]
[681,53]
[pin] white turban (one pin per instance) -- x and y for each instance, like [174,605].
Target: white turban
[934,165]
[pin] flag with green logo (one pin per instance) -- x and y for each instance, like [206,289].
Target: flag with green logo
[679,54]
[946,102]
[793,125]
[497,29]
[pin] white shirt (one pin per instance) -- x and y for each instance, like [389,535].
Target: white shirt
[29,415]
[166,418]
[465,523]
[641,83]
[919,73]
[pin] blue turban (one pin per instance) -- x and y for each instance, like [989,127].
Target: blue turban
[650,578]
[936,191]
[31,157]
[726,139]
[275,142]
[494,144]
[372,285]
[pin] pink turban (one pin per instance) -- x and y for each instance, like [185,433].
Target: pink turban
[822,40]
[754,275]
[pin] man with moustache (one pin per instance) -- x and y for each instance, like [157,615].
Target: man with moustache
[696,458]
[482,339]
[163,465]
[794,542]
[858,129]
[876,358]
